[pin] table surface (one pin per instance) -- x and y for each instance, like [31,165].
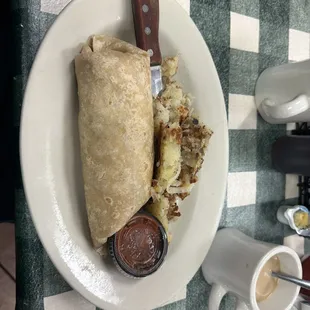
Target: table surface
[244,37]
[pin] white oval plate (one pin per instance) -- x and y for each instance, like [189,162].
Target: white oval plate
[51,162]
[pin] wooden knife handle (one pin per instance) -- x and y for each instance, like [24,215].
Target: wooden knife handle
[146,20]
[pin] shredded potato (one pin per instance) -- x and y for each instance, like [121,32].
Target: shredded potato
[181,141]
[170,66]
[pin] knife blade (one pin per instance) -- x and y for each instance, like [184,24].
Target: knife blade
[146,21]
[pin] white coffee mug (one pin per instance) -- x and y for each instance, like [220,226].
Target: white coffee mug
[282,94]
[233,264]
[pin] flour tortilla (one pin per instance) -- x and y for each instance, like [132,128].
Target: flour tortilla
[116,132]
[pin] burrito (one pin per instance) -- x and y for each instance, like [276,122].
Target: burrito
[116,131]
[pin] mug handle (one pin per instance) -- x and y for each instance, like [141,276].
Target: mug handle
[241,305]
[216,296]
[289,109]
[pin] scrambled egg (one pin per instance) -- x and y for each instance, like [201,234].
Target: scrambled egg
[301,219]
[159,209]
[169,165]
[180,144]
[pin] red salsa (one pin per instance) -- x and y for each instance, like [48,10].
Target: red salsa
[140,247]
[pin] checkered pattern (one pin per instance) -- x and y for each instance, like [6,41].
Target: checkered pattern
[244,37]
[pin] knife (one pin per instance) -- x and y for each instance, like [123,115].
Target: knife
[146,21]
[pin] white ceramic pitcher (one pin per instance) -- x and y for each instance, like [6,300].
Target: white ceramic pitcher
[282,94]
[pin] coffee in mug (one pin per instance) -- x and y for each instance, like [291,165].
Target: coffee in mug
[266,283]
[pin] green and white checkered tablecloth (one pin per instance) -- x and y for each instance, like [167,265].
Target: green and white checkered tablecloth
[244,37]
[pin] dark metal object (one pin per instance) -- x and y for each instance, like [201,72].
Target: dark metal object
[304,191]
[300,282]
[303,129]
[291,154]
